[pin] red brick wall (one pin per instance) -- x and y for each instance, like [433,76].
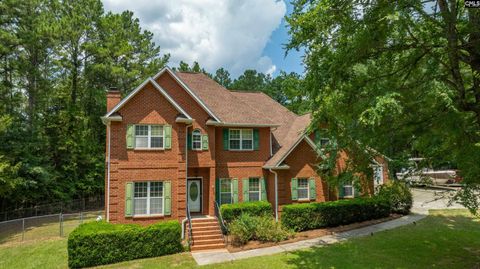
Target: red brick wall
[148,106]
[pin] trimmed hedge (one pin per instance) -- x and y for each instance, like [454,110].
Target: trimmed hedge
[233,211]
[301,217]
[97,243]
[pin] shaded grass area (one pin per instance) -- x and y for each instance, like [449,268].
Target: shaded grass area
[43,227]
[445,239]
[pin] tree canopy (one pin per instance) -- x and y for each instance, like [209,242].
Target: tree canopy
[400,77]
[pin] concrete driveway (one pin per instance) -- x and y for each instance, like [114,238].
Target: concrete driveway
[425,199]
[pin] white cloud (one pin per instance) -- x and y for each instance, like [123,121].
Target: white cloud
[230,34]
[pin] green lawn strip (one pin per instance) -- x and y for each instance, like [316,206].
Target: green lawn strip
[446,239]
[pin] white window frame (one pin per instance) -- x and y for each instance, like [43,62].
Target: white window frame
[348,186]
[308,189]
[380,167]
[231,190]
[193,140]
[324,141]
[259,189]
[148,198]
[149,136]
[241,148]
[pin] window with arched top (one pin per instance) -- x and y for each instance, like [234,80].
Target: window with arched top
[196,139]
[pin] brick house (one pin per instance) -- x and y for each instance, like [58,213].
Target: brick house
[181,138]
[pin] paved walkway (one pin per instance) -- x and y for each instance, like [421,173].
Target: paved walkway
[222,255]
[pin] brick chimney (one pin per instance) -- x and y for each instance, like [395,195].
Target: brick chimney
[113,98]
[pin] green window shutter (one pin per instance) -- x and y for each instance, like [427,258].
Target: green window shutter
[357,190]
[341,191]
[256,139]
[168,136]
[189,140]
[130,136]
[313,191]
[245,188]
[205,142]
[294,186]
[129,199]
[263,187]
[167,193]
[226,143]
[317,136]
[235,190]
[217,190]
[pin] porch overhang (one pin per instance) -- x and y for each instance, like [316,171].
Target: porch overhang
[233,124]
[111,118]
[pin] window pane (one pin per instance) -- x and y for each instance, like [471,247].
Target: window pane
[246,144]
[141,142]
[302,183]
[157,130]
[347,190]
[225,185]
[324,141]
[234,144]
[156,189]
[254,196]
[234,134]
[254,184]
[247,134]
[156,142]
[302,193]
[141,129]
[225,198]
[140,206]
[156,205]
[140,189]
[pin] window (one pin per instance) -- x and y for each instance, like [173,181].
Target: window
[148,198]
[377,175]
[302,189]
[324,142]
[254,192]
[348,190]
[225,191]
[196,139]
[149,136]
[241,139]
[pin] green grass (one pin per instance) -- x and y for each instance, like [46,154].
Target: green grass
[446,239]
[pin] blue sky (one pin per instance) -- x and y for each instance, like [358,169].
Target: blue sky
[236,35]
[275,49]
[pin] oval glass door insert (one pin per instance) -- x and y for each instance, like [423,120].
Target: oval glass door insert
[193,191]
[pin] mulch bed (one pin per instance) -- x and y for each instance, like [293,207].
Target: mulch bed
[309,234]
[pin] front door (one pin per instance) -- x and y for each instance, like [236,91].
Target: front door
[194,195]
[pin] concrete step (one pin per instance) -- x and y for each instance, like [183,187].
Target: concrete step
[204,224]
[199,220]
[209,246]
[206,228]
[205,233]
[207,242]
[211,236]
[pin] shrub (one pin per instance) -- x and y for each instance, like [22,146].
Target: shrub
[263,228]
[268,230]
[232,211]
[300,217]
[97,243]
[242,229]
[398,195]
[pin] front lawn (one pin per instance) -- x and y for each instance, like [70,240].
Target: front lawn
[445,239]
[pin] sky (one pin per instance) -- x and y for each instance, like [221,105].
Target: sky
[236,35]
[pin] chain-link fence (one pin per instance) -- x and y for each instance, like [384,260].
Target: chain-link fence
[93,203]
[44,227]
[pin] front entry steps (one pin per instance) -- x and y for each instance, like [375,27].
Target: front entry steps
[206,234]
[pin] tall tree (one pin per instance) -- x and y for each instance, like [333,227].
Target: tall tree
[251,80]
[222,77]
[401,77]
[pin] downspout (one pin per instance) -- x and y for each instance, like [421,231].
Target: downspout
[108,171]
[186,177]
[276,193]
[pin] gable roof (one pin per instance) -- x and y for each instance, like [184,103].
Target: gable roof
[188,90]
[139,88]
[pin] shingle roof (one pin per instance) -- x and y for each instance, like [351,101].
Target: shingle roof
[251,108]
[221,101]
